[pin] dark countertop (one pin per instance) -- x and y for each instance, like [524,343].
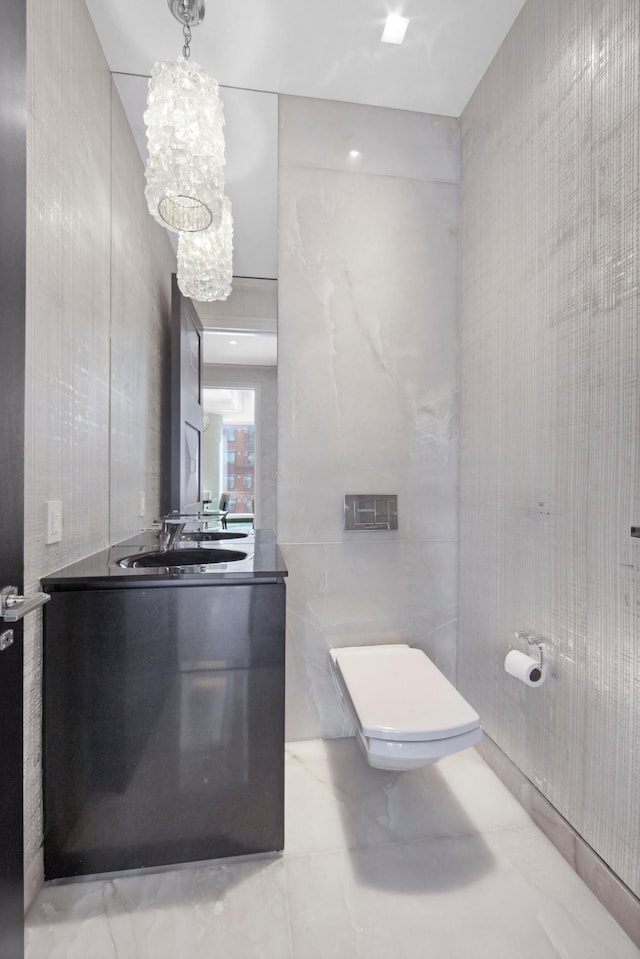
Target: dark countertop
[264,563]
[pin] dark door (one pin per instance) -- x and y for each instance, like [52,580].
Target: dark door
[186,404]
[13,104]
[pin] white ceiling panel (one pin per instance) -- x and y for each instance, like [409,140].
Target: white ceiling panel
[320,48]
[230,348]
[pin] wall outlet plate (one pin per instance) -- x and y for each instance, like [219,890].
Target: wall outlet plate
[53,521]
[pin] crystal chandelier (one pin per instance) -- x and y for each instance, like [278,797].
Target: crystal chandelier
[184,119]
[205,260]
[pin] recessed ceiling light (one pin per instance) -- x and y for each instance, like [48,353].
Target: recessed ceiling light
[354,154]
[394,29]
[233,342]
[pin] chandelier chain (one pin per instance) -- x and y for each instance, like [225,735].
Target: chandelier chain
[186,33]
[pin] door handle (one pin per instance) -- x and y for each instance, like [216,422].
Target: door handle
[13,606]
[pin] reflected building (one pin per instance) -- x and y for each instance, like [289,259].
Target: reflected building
[239,466]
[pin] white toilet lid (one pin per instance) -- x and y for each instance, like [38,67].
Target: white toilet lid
[399,694]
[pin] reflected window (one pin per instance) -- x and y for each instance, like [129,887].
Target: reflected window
[233,458]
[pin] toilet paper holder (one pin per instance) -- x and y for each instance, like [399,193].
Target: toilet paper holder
[533,639]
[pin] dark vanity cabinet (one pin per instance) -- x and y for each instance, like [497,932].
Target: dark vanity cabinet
[163,724]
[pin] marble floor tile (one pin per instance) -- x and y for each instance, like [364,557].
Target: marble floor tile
[466,897]
[440,863]
[237,911]
[335,800]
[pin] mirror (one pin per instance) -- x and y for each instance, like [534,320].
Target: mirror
[229,466]
[240,334]
[251,168]
[240,402]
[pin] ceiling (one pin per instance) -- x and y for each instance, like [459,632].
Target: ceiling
[230,348]
[320,48]
[242,330]
[329,49]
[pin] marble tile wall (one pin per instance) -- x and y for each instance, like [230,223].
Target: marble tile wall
[70,302]
[367,387]
[550,428]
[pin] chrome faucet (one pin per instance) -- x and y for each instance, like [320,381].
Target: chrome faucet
[172,528]
[171,531]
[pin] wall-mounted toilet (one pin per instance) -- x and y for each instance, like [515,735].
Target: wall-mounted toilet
[408,713]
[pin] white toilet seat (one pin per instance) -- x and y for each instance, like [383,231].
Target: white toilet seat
[409,714]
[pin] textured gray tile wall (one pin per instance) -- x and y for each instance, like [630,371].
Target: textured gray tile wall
[550,422]
[70,302]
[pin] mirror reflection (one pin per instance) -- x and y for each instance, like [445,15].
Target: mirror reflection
[240,334]
[228,455]
[240,404]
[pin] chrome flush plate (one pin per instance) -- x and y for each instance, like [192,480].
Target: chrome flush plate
[366,511]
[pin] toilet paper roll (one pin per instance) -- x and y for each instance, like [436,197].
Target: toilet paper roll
[524,668]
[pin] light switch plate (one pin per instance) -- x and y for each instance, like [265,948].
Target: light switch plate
[53,521]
